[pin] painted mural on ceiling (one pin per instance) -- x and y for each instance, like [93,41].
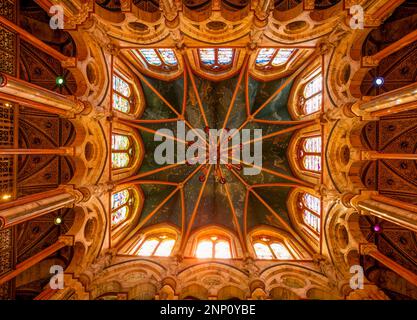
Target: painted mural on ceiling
[207,201]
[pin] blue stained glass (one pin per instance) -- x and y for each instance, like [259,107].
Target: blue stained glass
[264,56]
[119,198]
[282,56]
[120,103]
[225,56]
[121,86]
[207,56]
[151,57]
[168,55]
[312,202]
[119,215]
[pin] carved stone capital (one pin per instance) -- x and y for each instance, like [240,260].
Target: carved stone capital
[369,292]
[67,240]
[369,62]
[367,248]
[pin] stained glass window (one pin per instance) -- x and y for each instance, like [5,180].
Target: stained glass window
[159,59]
[310,207]
[160,246]
[165,247]
[280,251]
[120,206]
[266,248]
[119,198]
[119,215]
[148,247]
[121,94]
[311,153]
[262,251]
[312,97]
[216,59]
[222,250]
[269,57]
[121,151]
[213,248]
[120,142]
[168,56]
[204,249]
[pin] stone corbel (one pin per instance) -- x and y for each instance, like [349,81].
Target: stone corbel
[369,292]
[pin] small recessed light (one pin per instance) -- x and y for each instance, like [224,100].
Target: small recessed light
[379,81]
[58,220]
[59,81]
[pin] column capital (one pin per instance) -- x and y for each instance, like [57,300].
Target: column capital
[369,292]
[81,194]
[66,240]
[367,248]
[369,62]
[354,199]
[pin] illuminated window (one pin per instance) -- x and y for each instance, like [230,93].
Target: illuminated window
[158,246]
[213,248]
[122,151]
[310,153]
[310,208]
[269,58]
[121,94]
[121,202]
[311,100]
[267,248]
[216,59]
[158,59]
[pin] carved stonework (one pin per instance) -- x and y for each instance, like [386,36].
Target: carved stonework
[369,292]
[7,51]
[8,9]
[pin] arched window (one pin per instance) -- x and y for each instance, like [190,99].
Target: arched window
[310,153]
[121,202]
[216,59]
[310,208]
[267,248]
[311,100]
[158,59]
[122,93]
[213,247]
[157,245]
[269,58]
[122,151]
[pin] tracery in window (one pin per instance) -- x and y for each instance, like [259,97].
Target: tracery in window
[269,58]
[267,248]
[121,202]
[157,245]
[158,59]
[122,94]
[213,247]
[216,59]
[122,151]
[312,94]
[310,208]
[310,153]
